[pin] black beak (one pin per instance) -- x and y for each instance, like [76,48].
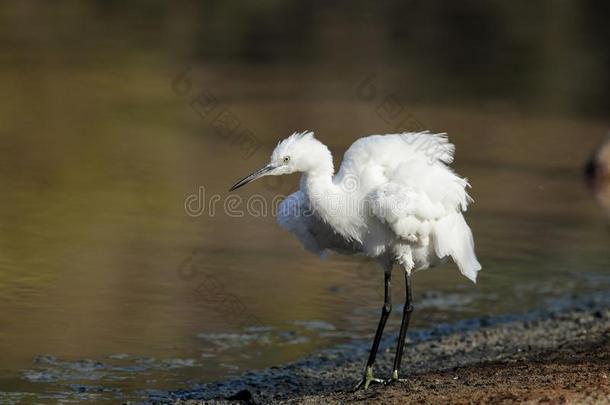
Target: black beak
[257,174]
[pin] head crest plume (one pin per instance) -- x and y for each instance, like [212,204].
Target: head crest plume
[285,145]
[297,136]
[304,134]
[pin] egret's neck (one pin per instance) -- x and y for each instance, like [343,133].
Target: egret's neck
[329,200]
[318,185]
[317,179]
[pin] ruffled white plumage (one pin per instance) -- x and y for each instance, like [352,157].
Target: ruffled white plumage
[394,196]
[295,215]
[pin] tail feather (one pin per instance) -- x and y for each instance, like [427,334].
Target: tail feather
[453,237]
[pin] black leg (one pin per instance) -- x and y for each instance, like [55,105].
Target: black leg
[385,312]
[404,325]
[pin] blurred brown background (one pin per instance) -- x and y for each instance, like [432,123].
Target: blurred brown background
[102,140]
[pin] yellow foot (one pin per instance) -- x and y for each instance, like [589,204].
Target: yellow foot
[367,380]
[395,378]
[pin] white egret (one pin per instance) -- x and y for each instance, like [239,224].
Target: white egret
[394,199]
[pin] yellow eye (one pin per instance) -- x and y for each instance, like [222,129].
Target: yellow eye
[286,159]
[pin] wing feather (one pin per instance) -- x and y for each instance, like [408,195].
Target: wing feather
[295,215]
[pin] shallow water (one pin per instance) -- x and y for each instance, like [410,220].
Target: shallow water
[110,289]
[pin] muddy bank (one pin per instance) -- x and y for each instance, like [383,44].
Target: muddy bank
[575,373]
[559,354]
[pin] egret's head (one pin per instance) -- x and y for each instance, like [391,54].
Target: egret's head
[300,152]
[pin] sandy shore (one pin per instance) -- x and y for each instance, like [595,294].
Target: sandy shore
[556,355]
